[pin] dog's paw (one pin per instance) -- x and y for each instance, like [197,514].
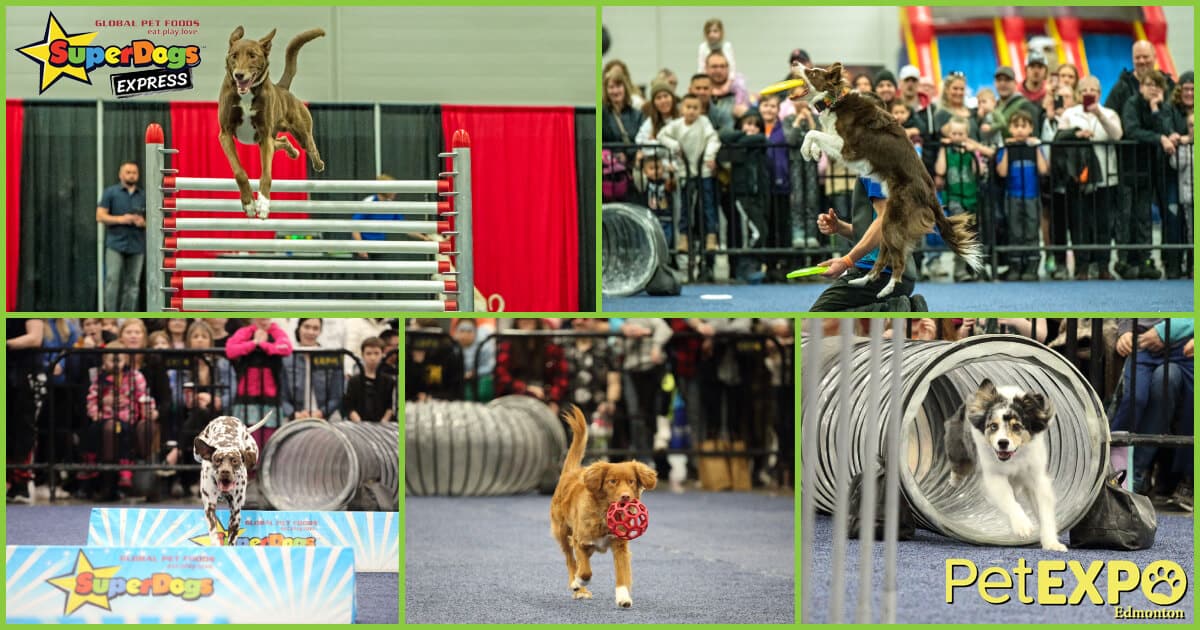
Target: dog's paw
[262,207]
[809,149]
[624,600]
[887,289]
[318,164]
[860,281]
[1021,526]
[582,593]
[579,583]
[1053,545]
[250,207]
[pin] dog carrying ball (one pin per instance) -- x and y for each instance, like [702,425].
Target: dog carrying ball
[628,520]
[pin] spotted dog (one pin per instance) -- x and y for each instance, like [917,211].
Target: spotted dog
[226,452]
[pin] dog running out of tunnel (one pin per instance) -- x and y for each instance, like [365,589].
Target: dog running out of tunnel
[937,378]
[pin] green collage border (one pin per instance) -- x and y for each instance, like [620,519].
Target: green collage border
[797,318]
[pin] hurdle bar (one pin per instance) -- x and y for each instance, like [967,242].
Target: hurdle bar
[450,216]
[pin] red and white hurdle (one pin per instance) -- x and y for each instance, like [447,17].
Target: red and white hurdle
[449,217]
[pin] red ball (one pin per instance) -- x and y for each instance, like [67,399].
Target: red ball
[628,520]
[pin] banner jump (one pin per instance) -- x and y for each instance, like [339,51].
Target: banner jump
[169,273]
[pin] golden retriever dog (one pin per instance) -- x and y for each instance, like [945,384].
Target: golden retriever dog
[579,508]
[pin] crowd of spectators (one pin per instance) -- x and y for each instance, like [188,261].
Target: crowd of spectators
[138,391]
[646,385]
[1045,158]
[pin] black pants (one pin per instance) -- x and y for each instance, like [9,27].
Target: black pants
[1090,225]
[842,296]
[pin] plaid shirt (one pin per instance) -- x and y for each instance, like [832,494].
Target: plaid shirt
[124,406]
[552,378]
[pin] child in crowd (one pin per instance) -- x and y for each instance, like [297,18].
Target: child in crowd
[693,140]
[750,184]
[371,395]
[122,414]
[714,40]
[1021,161]
[902,113]
[958,175]
[655,183]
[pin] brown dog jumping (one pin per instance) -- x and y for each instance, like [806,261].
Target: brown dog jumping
[253,110]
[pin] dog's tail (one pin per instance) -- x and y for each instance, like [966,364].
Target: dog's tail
[293,51]
[262,422]
[956,231]
[574,418]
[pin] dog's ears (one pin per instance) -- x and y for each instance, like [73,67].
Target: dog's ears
[645,475]
[249,457]
[203,450]
[1037,411]
[236,35]
[987,387]
[266,42]
[593,477]
[835,71]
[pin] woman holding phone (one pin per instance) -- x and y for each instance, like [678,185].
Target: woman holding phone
[1102,126]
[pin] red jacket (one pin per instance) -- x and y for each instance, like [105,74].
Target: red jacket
[257,380]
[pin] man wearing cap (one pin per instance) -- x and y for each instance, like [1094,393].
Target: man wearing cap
[1034,85]
[1009,100]
[885,88]
[910,83]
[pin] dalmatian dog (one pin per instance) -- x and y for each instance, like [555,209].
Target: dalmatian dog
[226,452]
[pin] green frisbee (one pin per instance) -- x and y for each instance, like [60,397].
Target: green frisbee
[807,271]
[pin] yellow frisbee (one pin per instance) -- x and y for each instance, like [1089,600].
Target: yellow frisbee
[782,86]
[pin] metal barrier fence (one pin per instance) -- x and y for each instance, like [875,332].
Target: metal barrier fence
[743,409]
[116,409]
[1102,214]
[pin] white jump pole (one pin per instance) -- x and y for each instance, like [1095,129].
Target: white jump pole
[451,217]
[269,304]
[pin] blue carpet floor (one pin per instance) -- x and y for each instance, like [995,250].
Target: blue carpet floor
[922,581]
[377,593]
[706,558]
[1151,296]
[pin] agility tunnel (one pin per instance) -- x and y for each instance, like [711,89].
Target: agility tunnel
[318,465]
[511,445]
[633,248]
[187,267]
[936,377]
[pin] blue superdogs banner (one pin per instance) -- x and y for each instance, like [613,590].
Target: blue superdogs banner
[374,536]
[150,584]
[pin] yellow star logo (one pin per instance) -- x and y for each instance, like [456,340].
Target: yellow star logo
[40,52]
[70,584]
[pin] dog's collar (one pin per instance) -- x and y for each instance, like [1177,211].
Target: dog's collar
[830,100]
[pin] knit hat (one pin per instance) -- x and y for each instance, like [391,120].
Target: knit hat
[884,75]
[1186,77]
[800,55]
[660,86]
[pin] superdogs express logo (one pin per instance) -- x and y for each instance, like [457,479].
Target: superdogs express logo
[61,54]
[98,586]
[1162,583]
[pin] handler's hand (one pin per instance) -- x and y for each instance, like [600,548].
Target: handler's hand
[828,223]
[837,266]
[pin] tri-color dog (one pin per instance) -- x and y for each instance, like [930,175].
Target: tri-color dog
[859,134]
[1002,430]
[253,110]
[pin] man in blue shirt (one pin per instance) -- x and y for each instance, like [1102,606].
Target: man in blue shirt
[379,236]
[122,210]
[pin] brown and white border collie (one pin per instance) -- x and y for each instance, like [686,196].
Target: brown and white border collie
[859,134]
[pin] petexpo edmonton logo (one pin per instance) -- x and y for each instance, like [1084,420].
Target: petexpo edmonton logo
[73,55]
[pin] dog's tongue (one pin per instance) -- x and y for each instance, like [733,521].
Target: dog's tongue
[1004,455]
[243,87]
[225,486]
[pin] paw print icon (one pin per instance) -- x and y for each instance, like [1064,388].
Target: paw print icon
[1164,582]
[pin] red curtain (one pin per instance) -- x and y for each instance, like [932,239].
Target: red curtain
[525,204]
[14,139]
[194,132]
